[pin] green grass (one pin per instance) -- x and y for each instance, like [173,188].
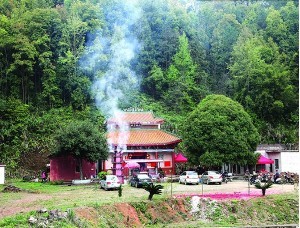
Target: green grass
[63,197]
[35,187]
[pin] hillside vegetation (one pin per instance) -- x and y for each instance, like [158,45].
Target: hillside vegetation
[62,61]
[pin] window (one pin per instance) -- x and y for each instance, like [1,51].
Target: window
[276,164]
[77,168]
[152,164]
[167,163]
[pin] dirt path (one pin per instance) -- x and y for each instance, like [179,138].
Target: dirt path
[27,202]
[230,187]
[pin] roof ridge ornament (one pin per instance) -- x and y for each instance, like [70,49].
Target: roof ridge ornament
[133,109]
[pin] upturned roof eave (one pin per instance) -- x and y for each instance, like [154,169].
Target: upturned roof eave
[150,144]
[137,122]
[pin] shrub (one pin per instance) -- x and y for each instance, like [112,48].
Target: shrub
[57,182]
[264,186]
[120,191]
[153,189]
[102,175]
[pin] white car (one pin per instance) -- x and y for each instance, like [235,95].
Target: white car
[110,182]
[189,177]
[211,177]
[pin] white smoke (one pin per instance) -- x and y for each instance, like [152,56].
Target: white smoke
[109,59]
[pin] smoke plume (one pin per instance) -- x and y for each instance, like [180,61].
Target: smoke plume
[108,58]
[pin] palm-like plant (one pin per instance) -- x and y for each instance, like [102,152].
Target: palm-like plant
[153,189]
[120,189]
[264,186]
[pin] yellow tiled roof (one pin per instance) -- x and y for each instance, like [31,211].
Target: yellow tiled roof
[136,117]
[142,137]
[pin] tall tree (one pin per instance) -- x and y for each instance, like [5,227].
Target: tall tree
[262,83]
[224,36]
[14,117]
[155,84]
[182,90]
[219,128]
[83,141]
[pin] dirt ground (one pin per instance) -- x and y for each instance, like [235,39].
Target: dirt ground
[231,187]
[25,202]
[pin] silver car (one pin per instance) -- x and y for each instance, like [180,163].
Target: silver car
[189,177]
[211,177]
[110,182]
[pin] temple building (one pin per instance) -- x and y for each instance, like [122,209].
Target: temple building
[137,137]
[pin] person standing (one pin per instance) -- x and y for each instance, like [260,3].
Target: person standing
[276,176]
[44,177]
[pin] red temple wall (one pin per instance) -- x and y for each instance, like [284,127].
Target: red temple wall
[64,168]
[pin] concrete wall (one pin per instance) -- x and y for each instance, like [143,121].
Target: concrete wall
[290,162]
[2,174]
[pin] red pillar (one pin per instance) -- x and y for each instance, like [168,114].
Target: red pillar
[173,162]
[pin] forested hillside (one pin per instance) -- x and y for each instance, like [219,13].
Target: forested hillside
[69,60]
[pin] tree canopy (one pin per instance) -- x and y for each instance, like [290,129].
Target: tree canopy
[173,53]
[83,141]
[219,131]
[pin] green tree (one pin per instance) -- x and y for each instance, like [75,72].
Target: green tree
[83,141]
[224,36]
[155,84]
[14,117]
[159,32]
[182,92]
[263,83]
[219,131]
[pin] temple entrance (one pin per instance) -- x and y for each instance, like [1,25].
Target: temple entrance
[139,155]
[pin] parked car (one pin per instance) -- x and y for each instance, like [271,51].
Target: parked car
[189,177]
[211,177]
[139,179]
[155,177]
[110,182]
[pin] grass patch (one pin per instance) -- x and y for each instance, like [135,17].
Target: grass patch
[277,208]
[34,187]
[20,220]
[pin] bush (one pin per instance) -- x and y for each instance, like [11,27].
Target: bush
[153,189]
[57,182]
[102,175]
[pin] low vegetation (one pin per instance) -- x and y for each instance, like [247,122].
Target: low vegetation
[153,189]
[263,186]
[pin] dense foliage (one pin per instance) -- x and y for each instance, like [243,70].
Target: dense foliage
[220,131]
[83,141]
[164,56]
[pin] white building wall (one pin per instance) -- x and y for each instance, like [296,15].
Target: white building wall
[108,162]
[168,157]
[289,162]
[2,174]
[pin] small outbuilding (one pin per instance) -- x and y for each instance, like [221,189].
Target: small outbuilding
[2,174]
[66,168]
